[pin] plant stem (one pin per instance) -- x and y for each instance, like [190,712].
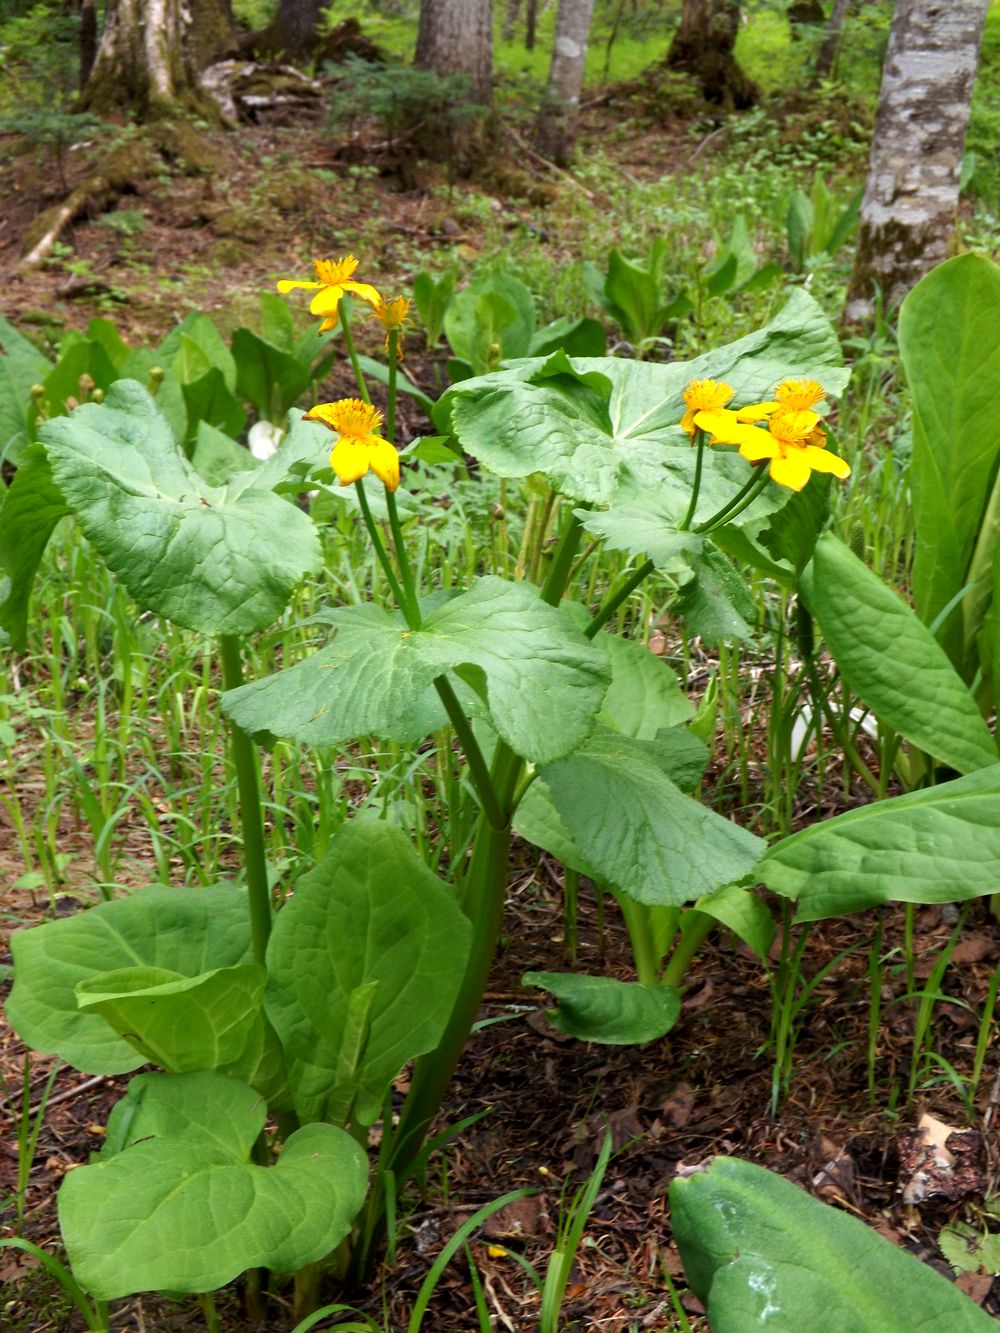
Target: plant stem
[481,778]
[738,503]
[382,555]
[244,755]
[640,934]
[621,594]
[345,325]
[562,563]
[696,487]
[402,560]
[690,942]
[390,402]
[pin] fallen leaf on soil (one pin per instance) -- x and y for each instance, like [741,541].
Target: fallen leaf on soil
[975,1285]
[523,1217]
[940,1160]
[676,1110]
[973,949]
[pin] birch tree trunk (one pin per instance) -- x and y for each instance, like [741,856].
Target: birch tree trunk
[908,212]
[703,47]
[456,37]
[556,127]
[151,55]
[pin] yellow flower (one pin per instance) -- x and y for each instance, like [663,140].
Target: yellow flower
[334,279]
[706,407]
[394,314]
[799,395]
[358,448]
[703,396]
[794,442]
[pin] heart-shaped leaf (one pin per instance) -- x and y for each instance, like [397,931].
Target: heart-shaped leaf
[365,962]
[182,931]
[175,1201]
[375,675]
[29,512]
[220,560]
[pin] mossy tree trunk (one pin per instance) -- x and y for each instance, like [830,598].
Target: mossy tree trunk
[911,198]
[151,55]
[703,47]
[556,128]
[456,37]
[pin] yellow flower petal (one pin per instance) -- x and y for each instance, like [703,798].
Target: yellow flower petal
[326,301]
[791,469]
[756,411]
[363,289]
[289,284]
[384,461]
[754,450]
[820,460]
[349,459]
[799,395]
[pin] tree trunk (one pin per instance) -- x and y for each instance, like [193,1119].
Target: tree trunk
[908,212]
[296,27]
[456,37]
[556,128]
[151,55]
[831,39]
[703,47]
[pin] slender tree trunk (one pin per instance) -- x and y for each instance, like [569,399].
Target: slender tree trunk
[88,39]
[703,47]
[510,19]
[456,37]
[556,128]
[831,39]
[152,53]
[295,26]
[908,212]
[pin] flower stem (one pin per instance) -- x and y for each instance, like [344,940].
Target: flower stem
[562,563]
[402,559]
[251,817]
[622,592]
[738,503]
[345,325]
[382,555]
[481,779]
[696,488]
[390,405]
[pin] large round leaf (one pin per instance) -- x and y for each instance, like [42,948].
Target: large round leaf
[186,932]
[604,1010]
[218,559]
[175,1202]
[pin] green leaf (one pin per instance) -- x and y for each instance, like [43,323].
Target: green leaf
[495,310]
[601,428]
[742,912]
[432,299]
[636,291]
[183,931]
[182,1207]
[371,948]
[949,341]
[939,845]
[892,661]
[760,1253]
[579,337]
[644,696]
[209,400]
[195,347]
[798,228]
[220,560]
[601,1009]
[375,676]
[179,1022]
[29,512]
[637,828]
[104,332]
[270,377]
[968,1249]
[276,324]
[716,603]
[217,457]
[21,366]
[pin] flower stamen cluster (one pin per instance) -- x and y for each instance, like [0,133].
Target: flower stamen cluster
[358,448]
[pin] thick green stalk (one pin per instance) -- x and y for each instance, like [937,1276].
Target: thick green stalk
[244,755]
[689,944]
[562,563]
[484,894]
[481,777]
[640,934]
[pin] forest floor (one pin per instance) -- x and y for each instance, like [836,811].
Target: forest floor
[212,240]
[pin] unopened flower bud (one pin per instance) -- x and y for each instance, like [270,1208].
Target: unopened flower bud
[156,377]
